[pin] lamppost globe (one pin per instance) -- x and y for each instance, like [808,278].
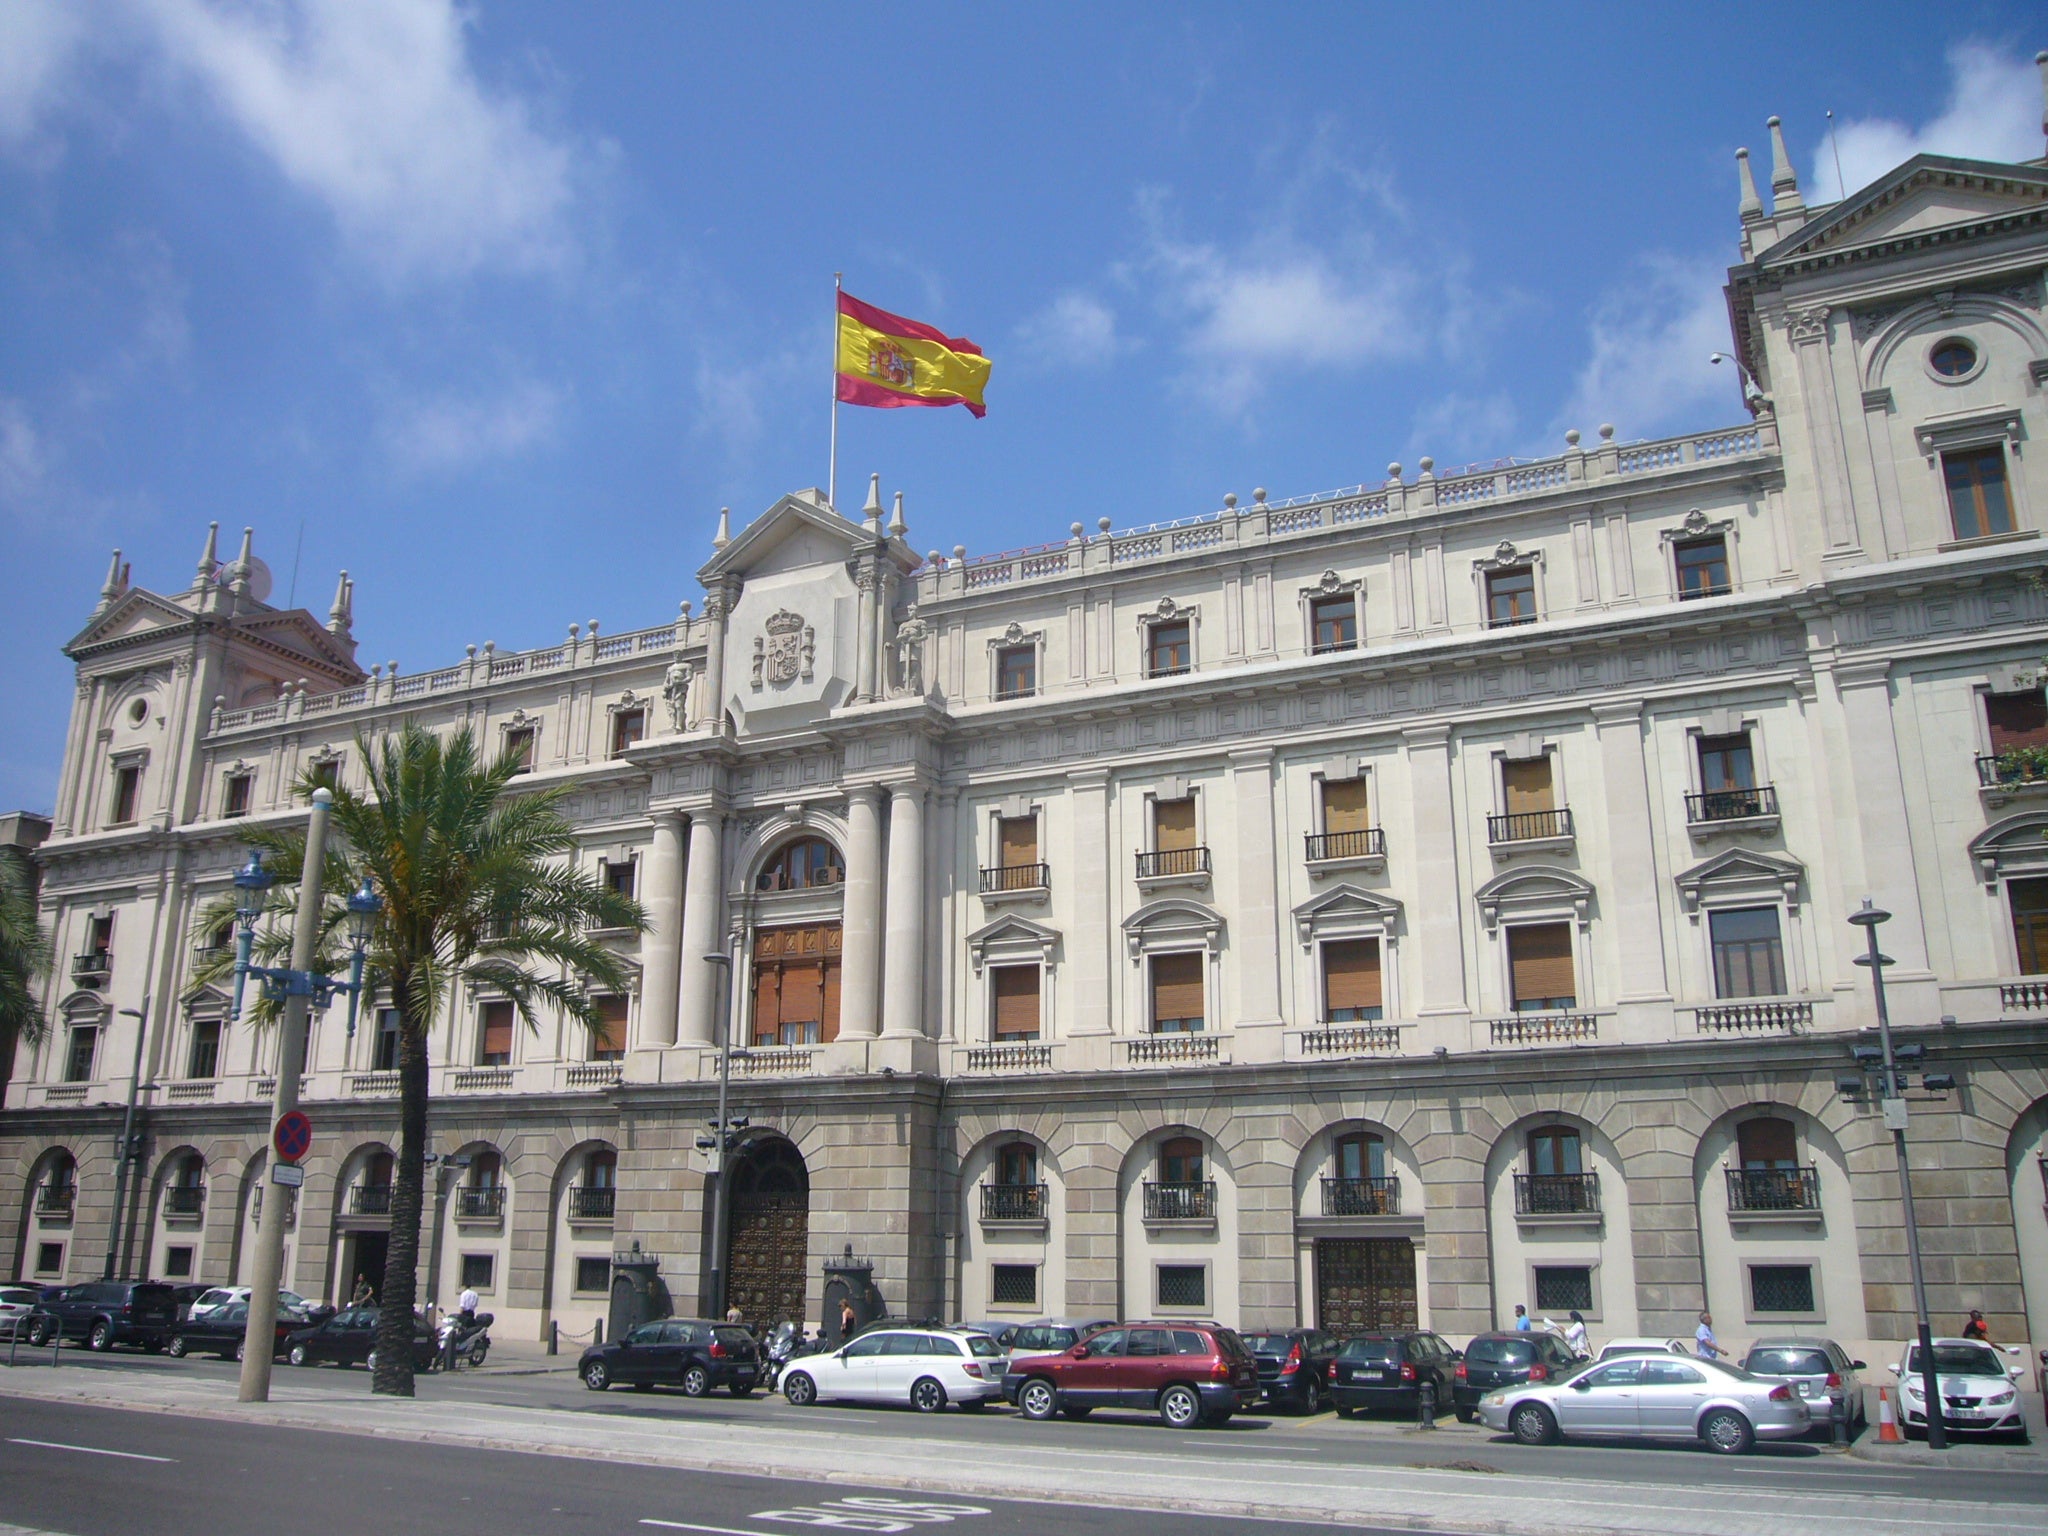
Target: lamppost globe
[1869,915]
[252,882]
[363,908]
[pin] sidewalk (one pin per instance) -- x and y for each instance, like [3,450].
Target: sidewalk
[1964,1450]
[526,1357]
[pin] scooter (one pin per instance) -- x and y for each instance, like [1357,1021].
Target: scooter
[786,1342]
[462,1345]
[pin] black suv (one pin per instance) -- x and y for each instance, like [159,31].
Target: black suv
[106,1313]
[1388,1370]
[1496,1360]
[678,1351]
[1294,1366]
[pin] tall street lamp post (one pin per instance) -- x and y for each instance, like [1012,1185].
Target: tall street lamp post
[1891,1095]
[131,1151]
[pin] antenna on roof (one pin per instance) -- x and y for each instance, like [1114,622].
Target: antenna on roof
[292,598]
[1834,144]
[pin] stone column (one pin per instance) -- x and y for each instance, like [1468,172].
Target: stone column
[903,963]
[861,939]
[1634,914]
[1438,922]
[866,578]
[717,611]
[1870,749]
[1257,947]
[703,932]
[1089,958]
[661,944]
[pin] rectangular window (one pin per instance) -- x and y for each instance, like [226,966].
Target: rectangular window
[629,727]
[1183,1285]
[1749,958]
[1017,841]
[796,985]
[1333,623]
[178,1263]
[1726,763]
[1173,825]
[2017,719]
[1015,1001]
[205,1058]
[1526,786]
[495,1048]
[384,1052]
[477,1269]
[1511,597]
[1176,994]
[49,1258]
[1781,1288]
[1169,648]
[1564,1288]
[593,1275]
[1351,981]
[2029,900]
[609,1042]
[1016,671]
[1540,967]
[127,791]
[519,747]
[325,774]
[99,936]
[85,1039]
[1978,501]
[1347,805]
[1702,567]
[235,802]
[1767,1142]
[1013,1285]
[618,878]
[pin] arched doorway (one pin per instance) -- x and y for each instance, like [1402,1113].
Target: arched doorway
[768,1260]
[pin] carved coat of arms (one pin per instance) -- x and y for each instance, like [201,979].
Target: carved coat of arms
[785,646]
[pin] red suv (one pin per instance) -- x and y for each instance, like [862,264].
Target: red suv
[1188,1373]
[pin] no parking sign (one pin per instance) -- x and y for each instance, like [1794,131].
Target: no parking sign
[293,1137]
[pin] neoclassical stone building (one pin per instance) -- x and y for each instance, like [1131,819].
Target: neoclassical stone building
[1393,904]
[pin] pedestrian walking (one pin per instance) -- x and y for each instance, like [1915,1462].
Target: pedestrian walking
[733,1314]
[1522,1323]
[362,1295]
[1976,1328]
[1704,1344]
[1575,1337]
[846,1319]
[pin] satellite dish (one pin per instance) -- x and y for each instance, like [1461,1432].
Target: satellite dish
[260,581]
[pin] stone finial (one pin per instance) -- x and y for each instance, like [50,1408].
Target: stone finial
[244,566]
[1751,208]
[724,535]
[209,557]
[1075,530]
[1103,524]
[1606,432]
[1394,472]
[683,610]
[897,527]
[115,584]
[391,669]
[342,614]
[1785,196]
[959,551]
[1258,495]
[1230,501]
[871,514]
[933,558]
[1425,468]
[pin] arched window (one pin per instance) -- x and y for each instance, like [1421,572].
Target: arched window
[601,1169]
[800,864]
[1361,1186]
[60,1187]
[1017,1164]
[1015,1193]
[1180,1161]
[1554,1150]
[485,1170]
[1767,1142]
[190,1171]
[1771,1178]
[186,1192]
[1361,1155]
[482,1196]
[1557,1181]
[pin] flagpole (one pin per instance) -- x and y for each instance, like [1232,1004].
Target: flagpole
[832,470]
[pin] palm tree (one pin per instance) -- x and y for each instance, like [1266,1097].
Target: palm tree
[24,956]
[476,892]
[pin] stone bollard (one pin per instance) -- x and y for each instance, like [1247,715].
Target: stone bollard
[554,1336]
[1838,1412]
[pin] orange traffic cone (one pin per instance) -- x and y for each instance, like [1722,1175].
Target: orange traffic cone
[1887,1420]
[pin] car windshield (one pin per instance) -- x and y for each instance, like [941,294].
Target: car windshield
[733,1338]
[1229,1343]
[1963,1359]
[982,1347]
[1372,1349]
[1500,1352]
[1269,1343]
[1788,1362]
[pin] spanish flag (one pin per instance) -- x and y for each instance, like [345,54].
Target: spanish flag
[887,360]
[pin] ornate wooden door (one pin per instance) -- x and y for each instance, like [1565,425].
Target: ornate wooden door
[769,1255]
[1364,1284]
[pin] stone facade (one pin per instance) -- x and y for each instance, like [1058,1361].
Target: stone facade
[1401,902]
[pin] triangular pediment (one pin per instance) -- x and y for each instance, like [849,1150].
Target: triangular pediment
[137,616]
[1742,868]
[798,532]
[1927,193]
[1346,909]
[134,615]
[1011,936]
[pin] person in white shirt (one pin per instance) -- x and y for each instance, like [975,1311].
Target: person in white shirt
[467,1306]
[1575,1337]
[1703,1340]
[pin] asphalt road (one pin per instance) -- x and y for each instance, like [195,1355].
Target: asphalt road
[1249,1439]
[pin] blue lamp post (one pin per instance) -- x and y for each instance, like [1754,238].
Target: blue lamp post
[252,885]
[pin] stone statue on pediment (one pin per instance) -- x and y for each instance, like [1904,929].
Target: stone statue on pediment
[675,691]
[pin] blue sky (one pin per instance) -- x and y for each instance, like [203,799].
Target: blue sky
[495,305]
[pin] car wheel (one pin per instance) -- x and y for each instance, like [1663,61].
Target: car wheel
[1179,1408]
[1076,1414]
[241,1349]
[370,1361]
[1533,1424]
[1727,1432]
[1036,1399]
[39,1334]
[298,1355]
[696,1381]
[102,1336]
[178,1346]
[800,1390]
[927,1396]
[596,1377]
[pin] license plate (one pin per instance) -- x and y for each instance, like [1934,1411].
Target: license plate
[1371,1375]
[1806,1389]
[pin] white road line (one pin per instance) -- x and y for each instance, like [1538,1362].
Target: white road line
[90,1450]
[684,1525]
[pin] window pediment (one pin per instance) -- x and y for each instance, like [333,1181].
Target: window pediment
[1346,911]
[2015,845]
[1172,923]
[1012,938]
[1537,890]
[1742,872]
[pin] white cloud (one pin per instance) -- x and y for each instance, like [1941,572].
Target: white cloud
[426,436]
[42,38]
[1076,330]
[1649,342]
[372,107]
[1993,113]
[23,467]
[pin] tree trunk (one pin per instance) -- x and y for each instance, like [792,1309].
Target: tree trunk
[393,1377]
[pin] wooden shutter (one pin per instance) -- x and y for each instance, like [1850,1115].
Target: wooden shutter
[610,1039]
[1015,988]
[1527,786]
[1351,974]
[1767,1143]
[1540,958]
[1173,824]
[767,996]
[828,1010]
[1176,987]
[498,1031]
[803,990]
[1018,836]
[2017,719]
[1346,805]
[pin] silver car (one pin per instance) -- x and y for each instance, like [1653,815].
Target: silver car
[1652,1397]
[1819,1370]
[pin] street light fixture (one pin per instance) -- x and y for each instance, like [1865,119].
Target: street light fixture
[1891,1094]
[720,1143]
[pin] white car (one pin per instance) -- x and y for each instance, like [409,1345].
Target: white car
[16,1302]
[924,1367]
[1980,1393]
[221,1297]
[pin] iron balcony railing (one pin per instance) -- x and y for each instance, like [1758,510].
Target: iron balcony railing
[1181,1202]
[480,1200]
[1999,770]
[91,968]
[370,1200]
[184,1200]
[1526,826]
[592,1202]
[1731,804]
[1362,1197]
[1013,1202]
[1557,1194]
[1016,877]
[1773,1189]
[1173,861]
[56,1199]
[1368,844]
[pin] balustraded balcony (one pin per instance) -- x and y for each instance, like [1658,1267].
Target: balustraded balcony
[1557,1194]
[1013,1202]
[1362,1197]
[1181,1202]
[1773,1189]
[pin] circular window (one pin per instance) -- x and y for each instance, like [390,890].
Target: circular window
[138,712]
[1953,358]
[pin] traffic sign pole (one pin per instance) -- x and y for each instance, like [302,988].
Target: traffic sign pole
[268,1267]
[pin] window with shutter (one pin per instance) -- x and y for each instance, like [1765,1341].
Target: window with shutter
[796,985]
[1540,967]
[1351,981]
[2017,719]
[1347,805]
[1014,989]
[609,1043]
[1017,837]
[1173,825]
[1526,787]
[1176,994]
[496,1048]
[1767,1142]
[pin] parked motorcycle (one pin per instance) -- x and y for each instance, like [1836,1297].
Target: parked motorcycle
[786,1342]
[465,1345]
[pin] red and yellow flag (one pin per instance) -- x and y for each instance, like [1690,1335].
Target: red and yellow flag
[886,360]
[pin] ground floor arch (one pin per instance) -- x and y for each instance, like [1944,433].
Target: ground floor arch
[768,1234]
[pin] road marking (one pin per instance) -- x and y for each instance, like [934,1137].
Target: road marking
[90,1450]
[684,1525]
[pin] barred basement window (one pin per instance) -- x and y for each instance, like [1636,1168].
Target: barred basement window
[1564,1288]
[178,1263]
[1183,1285]
[49,1258]
[1013,1285]
[1781,1288]
[593,1274]
[477,1269]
